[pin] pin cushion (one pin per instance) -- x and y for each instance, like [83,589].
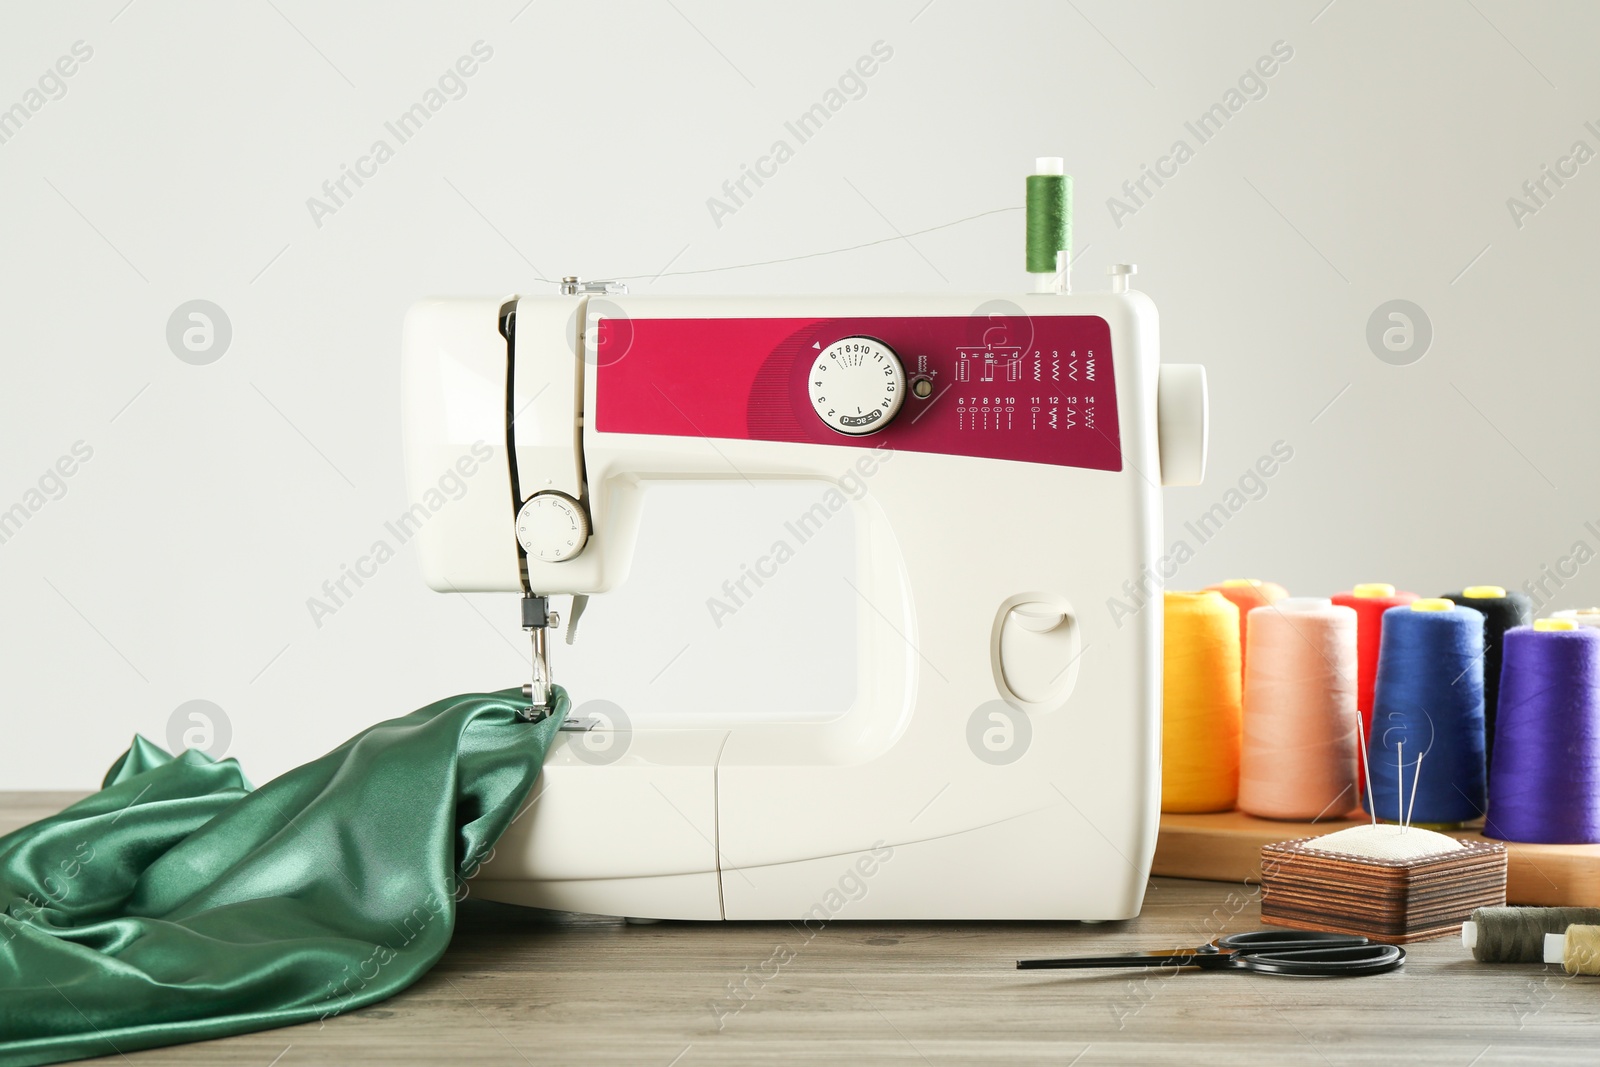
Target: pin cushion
[1389,882]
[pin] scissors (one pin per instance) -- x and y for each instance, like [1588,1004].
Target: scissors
[1292,952]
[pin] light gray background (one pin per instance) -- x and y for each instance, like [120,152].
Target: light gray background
[177,166]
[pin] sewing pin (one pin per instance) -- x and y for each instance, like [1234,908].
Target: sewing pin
[1415,778]
[1400,784]
[1366,767]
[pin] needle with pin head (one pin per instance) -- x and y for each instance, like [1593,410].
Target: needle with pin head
[1366,767]
[1400,784]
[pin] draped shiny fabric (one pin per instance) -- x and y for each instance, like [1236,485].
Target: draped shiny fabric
[179,904]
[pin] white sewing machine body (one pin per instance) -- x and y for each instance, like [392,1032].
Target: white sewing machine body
[997,515]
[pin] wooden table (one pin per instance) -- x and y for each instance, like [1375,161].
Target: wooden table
[530,987]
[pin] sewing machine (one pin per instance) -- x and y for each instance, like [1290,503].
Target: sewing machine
[1002,459]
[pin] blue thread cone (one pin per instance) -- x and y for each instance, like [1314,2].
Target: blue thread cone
[1428,699]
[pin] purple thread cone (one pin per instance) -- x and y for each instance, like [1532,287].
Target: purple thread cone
[1545,782]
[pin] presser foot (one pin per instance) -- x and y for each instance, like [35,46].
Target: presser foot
[537,618]
[532,713]
[570,724]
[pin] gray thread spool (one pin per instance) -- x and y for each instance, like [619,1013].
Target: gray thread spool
[1516,935]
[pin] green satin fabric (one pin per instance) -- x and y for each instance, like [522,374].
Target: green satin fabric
[178,904]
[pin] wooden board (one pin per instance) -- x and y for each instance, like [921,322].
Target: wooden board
[1226,847]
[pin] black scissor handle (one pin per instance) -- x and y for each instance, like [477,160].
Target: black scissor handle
[1287,952]
[1251,942]
[1328,961]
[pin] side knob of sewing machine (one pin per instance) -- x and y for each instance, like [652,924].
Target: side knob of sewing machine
[1181,416]
[1182,410]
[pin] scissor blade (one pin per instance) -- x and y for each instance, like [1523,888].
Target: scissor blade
[1173,958]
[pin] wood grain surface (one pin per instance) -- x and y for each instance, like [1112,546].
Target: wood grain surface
[1226,847]
[524,987]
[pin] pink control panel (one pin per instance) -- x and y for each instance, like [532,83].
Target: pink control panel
[999,386]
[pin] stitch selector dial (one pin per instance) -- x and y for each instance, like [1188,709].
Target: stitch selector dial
[552,527]
[857,385]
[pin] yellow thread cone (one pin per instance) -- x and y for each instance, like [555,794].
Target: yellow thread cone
[1200,701]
